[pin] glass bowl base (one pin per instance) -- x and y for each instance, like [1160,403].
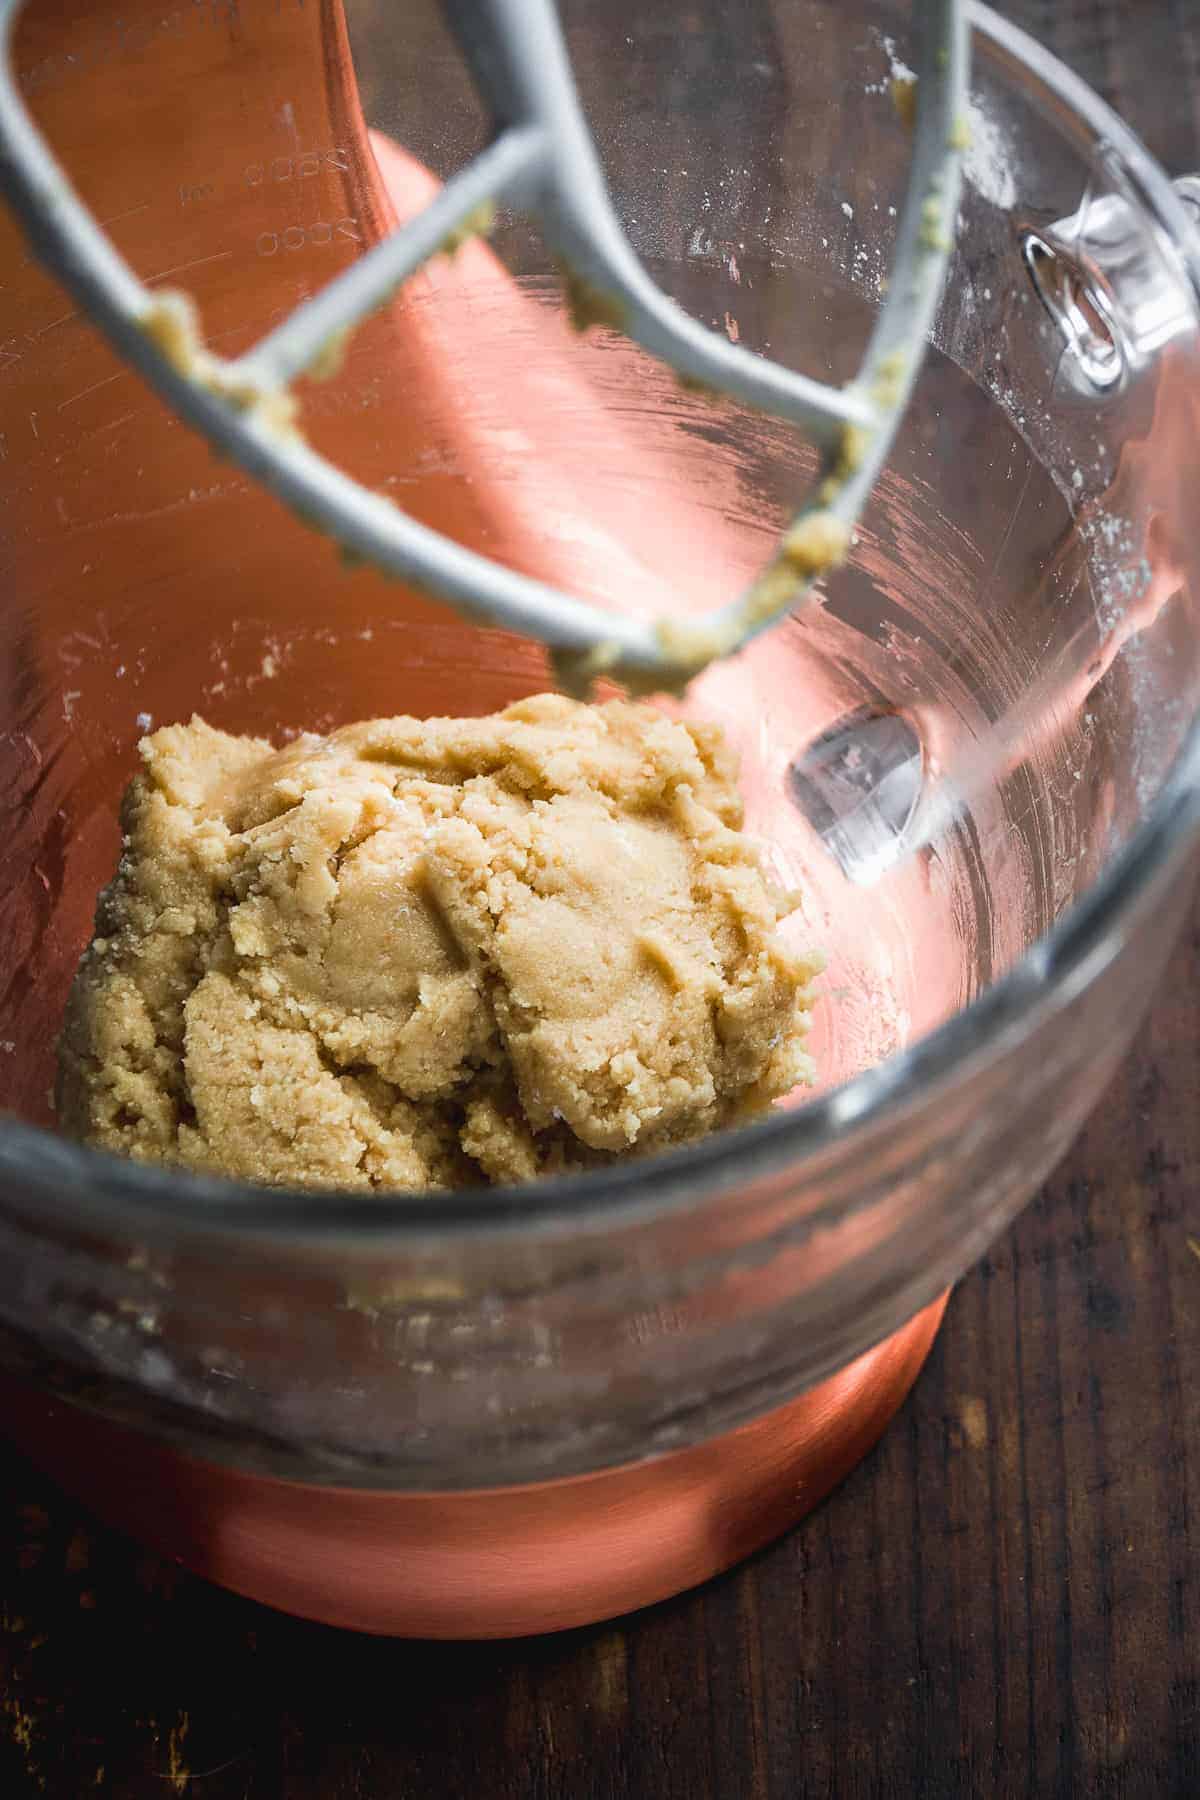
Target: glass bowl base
[487,1562]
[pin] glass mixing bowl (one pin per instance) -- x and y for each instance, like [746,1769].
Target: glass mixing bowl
[977,756]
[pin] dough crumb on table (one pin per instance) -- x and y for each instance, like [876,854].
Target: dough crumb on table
[418,953]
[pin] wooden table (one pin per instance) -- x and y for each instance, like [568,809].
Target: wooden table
[1002,1600]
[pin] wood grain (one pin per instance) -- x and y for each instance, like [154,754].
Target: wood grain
[1001,1601]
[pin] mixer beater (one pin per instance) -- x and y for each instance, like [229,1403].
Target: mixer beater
[540,161]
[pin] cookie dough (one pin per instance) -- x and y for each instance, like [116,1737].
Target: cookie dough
[416,952]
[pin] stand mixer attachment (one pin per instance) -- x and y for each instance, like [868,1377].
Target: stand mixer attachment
[540,161]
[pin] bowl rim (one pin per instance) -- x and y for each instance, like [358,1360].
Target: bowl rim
[94,1188]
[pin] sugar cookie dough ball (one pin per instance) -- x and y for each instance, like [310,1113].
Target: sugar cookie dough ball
[416,953]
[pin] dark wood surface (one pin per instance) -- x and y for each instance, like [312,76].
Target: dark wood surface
[1004,1599]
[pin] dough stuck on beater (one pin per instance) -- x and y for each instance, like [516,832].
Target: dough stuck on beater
[418,952]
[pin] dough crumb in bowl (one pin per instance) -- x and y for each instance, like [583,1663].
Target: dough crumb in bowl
[418,953]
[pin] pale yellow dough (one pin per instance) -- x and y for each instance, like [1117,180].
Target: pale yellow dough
[418,952]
